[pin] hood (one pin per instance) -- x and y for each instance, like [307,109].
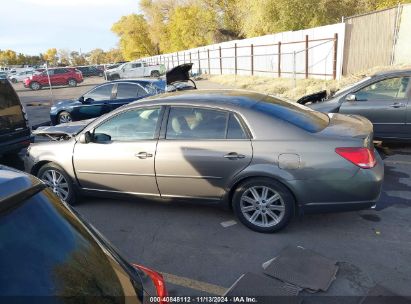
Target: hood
[64,102]
[69,130]
[179,73]
[327,106]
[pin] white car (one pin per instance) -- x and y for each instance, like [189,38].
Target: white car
[20,76]
[135,69]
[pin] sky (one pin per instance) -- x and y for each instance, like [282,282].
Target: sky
[33,26]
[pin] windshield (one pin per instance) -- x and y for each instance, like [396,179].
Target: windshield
[349,87]
[294,113]
[64,258]
[11,115]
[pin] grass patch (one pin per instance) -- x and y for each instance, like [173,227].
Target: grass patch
[284,87]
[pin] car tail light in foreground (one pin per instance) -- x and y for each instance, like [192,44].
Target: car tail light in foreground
[359,156]
[158,281]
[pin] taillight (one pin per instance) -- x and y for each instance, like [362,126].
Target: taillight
[158,282]
[361,157]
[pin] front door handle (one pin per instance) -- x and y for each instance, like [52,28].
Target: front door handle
[397,105]
[234,155]
[143,155]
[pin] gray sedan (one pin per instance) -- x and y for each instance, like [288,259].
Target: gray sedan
[383,98]
[265,158]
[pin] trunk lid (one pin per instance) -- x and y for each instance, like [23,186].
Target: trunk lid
[351,126]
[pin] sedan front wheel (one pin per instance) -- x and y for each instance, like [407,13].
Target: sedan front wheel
[58,181]
[263,205]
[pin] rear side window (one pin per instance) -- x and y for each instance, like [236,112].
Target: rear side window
[235,130]
[296,114]
[129,90]
[11,115]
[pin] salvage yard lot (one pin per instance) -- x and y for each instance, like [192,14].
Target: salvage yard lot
[202,251]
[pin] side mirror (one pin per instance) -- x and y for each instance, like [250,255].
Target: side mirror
[101,138]
[351,97]
[85,138]
[81,99]
[123,69]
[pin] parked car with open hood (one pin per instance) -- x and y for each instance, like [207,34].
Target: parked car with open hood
[104,98]
[48,251]
[264,157]
[383,98]
[14,128]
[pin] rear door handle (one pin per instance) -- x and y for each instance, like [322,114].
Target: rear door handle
[143,155]
[234,155]
[397,105]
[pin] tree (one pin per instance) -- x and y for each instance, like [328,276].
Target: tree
[113,55]
[77,59]
[96,56]
[8,57]
[135,41]
[191,26]
[51,56]
[64,57]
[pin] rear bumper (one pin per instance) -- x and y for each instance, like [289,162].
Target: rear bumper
[361,191]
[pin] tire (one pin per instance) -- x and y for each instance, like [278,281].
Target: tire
[35,86]
[72,82]
[51,173]
[14,80]
[64,117]
[259,215]
[115,77]
[100,74]
[155,74]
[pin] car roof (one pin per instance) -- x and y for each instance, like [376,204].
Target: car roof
[223,98]
[14,182]
[394,73]
[139,80]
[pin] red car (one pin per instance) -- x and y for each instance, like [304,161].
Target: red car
[58,76]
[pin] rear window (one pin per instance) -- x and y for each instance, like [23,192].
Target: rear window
[46,251]
[294,113]
[11,115]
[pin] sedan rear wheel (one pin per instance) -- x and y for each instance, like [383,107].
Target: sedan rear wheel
[58,181]
[263,205]
[64,117]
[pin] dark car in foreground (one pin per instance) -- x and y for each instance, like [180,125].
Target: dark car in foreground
[14,128]
[48,252]
[56,77]
[262,156]
[383,98]
[104,98]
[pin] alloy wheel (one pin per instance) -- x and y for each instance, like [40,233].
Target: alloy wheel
[262,206]
[64,118]
[57,182]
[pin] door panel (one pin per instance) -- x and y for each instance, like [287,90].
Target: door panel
[384,103]
[115,166]
[187,168]
[124,161]
[196,159]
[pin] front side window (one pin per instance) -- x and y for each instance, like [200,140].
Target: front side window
[99,93]
[196,123]
[387,89]
[139,124]
[136,65]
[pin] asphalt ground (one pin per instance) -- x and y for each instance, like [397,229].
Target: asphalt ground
[202,249]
